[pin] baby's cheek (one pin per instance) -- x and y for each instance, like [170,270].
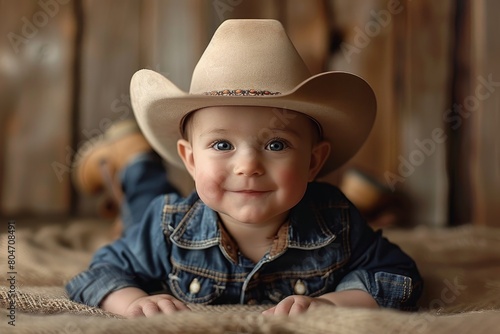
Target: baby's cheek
[291,176]
[294,183]
[287,175]
[209,185]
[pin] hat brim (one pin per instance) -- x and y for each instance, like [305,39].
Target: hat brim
[342,103]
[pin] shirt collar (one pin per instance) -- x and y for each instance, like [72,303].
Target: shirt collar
[304,230]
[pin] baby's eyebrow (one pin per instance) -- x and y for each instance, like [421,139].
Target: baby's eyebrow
[214,132]
[262,132]
[285,130]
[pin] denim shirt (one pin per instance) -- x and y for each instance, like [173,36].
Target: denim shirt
[181,248]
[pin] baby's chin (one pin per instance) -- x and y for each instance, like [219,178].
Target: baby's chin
[253,218]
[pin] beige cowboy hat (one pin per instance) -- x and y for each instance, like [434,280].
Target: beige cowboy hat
[254,63]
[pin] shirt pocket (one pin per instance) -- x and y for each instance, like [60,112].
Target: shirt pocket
[191,287]
[307,272]
[312,285]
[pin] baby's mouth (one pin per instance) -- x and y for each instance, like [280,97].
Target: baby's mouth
[250,192]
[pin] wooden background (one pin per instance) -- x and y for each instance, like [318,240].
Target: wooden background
[65,67]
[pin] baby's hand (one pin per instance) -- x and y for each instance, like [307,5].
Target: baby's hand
[293,305]
[151,305]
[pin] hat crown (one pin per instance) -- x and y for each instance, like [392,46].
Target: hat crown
[249,54]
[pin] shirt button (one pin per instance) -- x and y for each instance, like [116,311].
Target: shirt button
[299,288]
[194,287]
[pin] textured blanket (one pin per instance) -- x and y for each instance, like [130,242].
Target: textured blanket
[461,268]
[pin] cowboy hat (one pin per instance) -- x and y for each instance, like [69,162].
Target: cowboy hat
[254,63]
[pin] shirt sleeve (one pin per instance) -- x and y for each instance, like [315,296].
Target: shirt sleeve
[139,259]
[380,267]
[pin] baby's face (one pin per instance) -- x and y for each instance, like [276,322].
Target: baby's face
[251,164]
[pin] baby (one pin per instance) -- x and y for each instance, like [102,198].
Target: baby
[254,132]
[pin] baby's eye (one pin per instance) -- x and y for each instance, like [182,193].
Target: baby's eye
[276,145]
[222,145]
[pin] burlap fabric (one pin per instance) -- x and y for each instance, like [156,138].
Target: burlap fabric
[461,268]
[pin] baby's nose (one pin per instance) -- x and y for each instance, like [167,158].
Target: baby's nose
[248,163]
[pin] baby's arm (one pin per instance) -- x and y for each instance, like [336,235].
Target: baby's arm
[298,304]
[133,302]
[378,274]
[122,273]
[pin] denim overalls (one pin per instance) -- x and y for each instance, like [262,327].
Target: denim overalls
[179,246]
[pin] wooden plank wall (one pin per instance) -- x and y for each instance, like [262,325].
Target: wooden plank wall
[366,47]
[109,57]
[485,118]
[426,77]
[36,62]
[402,48]
[407,50]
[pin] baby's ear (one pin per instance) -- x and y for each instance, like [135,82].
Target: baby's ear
[185,151]
[319,154]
